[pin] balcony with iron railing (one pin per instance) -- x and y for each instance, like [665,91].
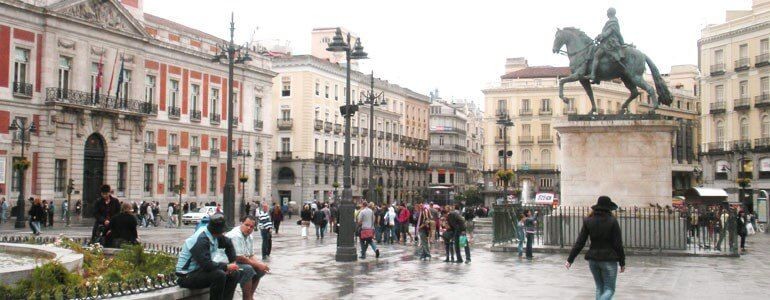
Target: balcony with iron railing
[214,152]
[318,125]
[173,149]
[741,104]
[319,157]
[285,124]
[742,64]
[150,147]
[22,89]
[525,112]
[600,111]
[526,139]
[353,131]
[258,155]
[328,126]
[215,118]
[195,151]
[364,131]
[174,112]
[545,139]
[717,69]
[536,167]
[716,147]
[337,128]
[235,121]
[743,144]
[762,145]
[545,111]
[388,136]
[258,125]
[763,100]
[380,134]
[569,111]
[762,60]
[283,155]
[195,115]
[501,113]
[99,102]
[718,107]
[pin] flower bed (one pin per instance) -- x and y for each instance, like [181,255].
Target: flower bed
[132,270]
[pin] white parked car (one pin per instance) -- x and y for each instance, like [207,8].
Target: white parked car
[195,217]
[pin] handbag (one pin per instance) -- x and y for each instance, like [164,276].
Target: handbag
[463,241]
[750,229]
[299,222]
[367,233]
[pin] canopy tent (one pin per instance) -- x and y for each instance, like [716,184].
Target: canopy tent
[705,196]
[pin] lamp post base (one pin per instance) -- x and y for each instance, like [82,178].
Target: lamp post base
[345,254]
[20,223]
[346,248]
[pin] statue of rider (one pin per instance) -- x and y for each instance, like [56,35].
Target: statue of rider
[610,42]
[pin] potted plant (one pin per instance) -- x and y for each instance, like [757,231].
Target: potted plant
[505,175]
[336,184]
[243,178]
[21,164]
[743,182]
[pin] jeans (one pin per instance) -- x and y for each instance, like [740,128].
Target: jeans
[457,234]
[319,230]
[722,233]
[378,233]
[366,243]
[386,234]
[530,239]
[520,246]
[221,285]
[267,242]
[276,225]
[35,226]
[424,244]
[605,273]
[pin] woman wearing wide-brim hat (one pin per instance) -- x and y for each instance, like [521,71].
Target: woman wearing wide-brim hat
[606,250]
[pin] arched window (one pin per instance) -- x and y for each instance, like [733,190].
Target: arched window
[766,126]
[744,130]
[545,157]
[526,156]
[720,134]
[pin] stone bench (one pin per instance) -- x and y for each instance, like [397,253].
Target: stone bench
[171,293]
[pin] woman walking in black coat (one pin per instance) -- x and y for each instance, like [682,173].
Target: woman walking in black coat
[36,216]
[606,250]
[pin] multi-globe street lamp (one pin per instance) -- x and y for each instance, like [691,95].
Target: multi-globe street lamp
[505,121]
[346,250]
[23,133]
[233,54]
[371,98]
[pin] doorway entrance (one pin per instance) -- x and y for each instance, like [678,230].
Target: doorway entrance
[93,173]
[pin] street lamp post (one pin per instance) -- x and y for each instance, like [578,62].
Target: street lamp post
[346,250]
[24,131]
[243,179]
[234,54]
[371,100]
[505,122]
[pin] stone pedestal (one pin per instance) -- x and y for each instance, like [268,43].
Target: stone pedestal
[627,160]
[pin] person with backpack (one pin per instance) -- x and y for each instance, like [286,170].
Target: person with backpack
[320,221]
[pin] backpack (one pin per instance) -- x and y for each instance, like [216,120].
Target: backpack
[319,218]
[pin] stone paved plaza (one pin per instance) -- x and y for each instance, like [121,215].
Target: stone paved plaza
[305,269]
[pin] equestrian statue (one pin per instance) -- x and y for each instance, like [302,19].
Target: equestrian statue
[606,58]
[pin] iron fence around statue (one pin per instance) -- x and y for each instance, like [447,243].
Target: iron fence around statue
[642,228]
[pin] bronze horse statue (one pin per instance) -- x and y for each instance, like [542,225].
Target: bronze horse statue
[580,49]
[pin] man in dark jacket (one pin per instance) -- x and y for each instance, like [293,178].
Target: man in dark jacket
[107,207]
[606,250]
[457,223]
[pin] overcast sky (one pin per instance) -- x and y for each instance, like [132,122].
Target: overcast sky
[457,46]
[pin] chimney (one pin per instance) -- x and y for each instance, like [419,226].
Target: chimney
[516,63]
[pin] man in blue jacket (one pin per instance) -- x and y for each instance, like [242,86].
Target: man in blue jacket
[207,260]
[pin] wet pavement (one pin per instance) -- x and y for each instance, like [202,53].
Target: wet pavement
[305,269]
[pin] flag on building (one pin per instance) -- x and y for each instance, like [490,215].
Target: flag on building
[100,75]
[120,81]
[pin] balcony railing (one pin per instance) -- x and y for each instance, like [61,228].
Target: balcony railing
[337,128]
[214,152]
[744,144]
[319,124]
[215,118]
[388,136]
[545,139]
[22,89]
[195,115]
[536,167]
[717,107]
[742,64]
[150,147]
[353,131]
[173,149]
[762,100]
[717,69]
[195,151]
[715,147]
[569,111]
[501,113]
[285,124]
[525,112]
[235,121]
[380,134]
[319,157]
[762,145]
[258,125]
[283,155]
[762,60]
[526,139]
[328,126]
[80,99]
[741,103]
[174,112]
[364,132]
[545,112]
